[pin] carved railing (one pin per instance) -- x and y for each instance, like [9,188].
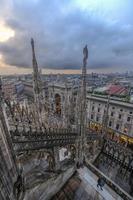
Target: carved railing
[118,153]
[26,140]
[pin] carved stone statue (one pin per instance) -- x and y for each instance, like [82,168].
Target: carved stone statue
[85,52]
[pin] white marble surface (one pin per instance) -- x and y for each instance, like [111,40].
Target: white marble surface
[62,154]
[90,182]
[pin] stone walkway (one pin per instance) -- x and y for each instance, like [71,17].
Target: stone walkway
[90,184]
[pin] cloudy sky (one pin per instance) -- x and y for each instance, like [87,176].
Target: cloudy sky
[60,29]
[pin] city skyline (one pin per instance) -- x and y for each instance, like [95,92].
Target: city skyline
[60,30]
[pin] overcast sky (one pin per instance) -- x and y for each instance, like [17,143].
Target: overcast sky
[61,28]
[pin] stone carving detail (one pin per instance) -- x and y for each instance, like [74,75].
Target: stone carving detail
[119,153]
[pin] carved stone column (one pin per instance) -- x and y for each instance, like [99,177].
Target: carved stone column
[56,158]
[82,116]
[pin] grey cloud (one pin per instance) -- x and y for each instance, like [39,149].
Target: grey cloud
[61,34]
[122,52]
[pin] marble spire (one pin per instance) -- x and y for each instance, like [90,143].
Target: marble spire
[37,85]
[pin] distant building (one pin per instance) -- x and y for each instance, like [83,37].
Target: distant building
[8,89]
[113,89]
[117,90]
[120,115]
[19,87]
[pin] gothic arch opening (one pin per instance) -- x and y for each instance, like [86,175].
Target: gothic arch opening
[57,104]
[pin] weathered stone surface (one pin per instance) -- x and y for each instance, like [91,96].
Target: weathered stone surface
[49,188]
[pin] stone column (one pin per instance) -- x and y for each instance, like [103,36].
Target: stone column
[94,147]
[56,158]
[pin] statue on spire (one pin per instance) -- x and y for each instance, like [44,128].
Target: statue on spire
[85,53]
[83,87]
[82,117]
